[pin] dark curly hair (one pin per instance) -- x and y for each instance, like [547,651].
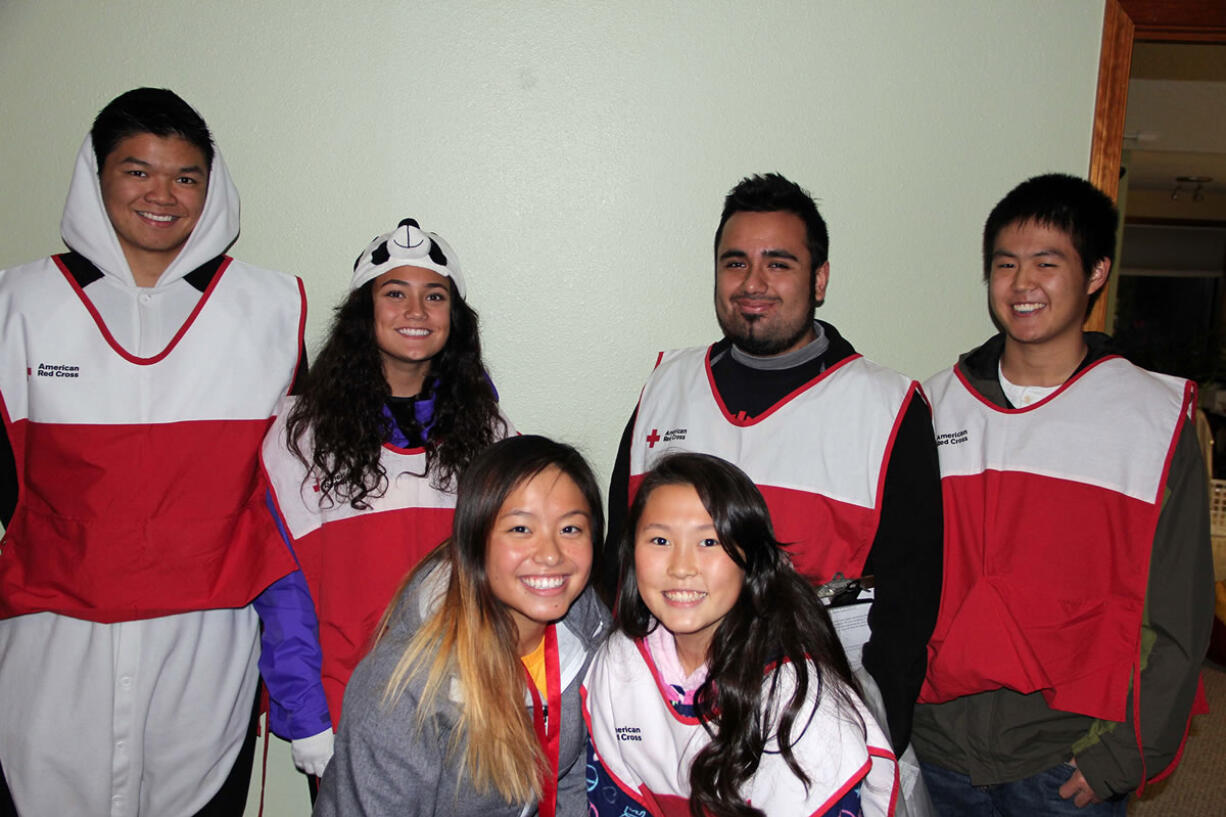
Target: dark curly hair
[777,618]
[342,405]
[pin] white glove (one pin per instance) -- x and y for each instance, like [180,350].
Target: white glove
[311,755]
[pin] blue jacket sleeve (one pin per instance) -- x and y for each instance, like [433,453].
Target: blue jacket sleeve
[290,657]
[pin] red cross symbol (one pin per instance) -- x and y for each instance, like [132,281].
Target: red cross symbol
[653,438]
[316,486]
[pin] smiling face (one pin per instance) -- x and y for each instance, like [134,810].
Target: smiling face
[412,308]
[765,289]
[539,554]
[1038,288]
[153,188]
[685,577]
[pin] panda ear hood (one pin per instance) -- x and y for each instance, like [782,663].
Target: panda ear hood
[407,246]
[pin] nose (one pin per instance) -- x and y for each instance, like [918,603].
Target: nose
[160,190]
[414,304]
[548,552]
[755,279]
[681,563]
[1023,277]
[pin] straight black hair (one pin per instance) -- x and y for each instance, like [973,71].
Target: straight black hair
[1065,203]
[159,111]
[491,477]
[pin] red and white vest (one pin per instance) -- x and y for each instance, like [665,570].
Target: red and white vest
[818,456]
[354,560]
[647,747]
[1050,513]
[140,491]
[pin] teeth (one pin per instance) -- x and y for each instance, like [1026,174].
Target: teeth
[158,217]
[1026,309]
[683,596]
[414,333]
[544,582]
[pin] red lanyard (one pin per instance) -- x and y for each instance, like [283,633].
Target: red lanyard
[549,730]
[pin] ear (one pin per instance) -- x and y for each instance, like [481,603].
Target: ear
[1098,276]
[821,276]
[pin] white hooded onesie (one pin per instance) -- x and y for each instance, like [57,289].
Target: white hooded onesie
[144,715]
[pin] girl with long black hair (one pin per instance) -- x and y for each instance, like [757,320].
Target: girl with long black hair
[363,465]
[724,690]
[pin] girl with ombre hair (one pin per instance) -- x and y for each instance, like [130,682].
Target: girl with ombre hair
[469,702]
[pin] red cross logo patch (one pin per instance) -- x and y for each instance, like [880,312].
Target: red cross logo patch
[653,438]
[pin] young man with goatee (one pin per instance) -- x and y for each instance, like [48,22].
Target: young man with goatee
[841,447]
[1078,584]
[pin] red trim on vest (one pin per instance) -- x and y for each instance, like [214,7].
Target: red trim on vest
[744,422]
[1200,705]
[658,805]
[302,316]
[966,384]
[147,361]
[641,644]
[395,449]
[884,467]
[876,751]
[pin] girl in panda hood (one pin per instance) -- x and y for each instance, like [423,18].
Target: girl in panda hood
[363,465]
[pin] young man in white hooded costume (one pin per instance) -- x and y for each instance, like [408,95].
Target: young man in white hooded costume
[138,373]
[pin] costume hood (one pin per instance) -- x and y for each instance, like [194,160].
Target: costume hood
[86,229]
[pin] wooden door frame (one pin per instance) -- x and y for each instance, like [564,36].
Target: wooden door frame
[1125,22]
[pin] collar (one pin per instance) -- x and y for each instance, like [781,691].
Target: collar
[980,365]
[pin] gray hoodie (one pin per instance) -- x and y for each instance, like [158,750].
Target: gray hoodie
[384,765]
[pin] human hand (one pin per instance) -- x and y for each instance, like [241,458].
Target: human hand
[1078,789]
[311,755]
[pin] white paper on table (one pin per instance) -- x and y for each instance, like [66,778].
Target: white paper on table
[851,626]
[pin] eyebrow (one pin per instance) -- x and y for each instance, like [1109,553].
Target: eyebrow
[525,512]
[662,526]
[132,160]
[1045,251]
[780,254]
[767,253]
[427,285]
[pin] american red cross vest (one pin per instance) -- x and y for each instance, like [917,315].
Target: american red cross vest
[139,488]
[819,455]
[1050,513]
[647,747]
[354,559]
